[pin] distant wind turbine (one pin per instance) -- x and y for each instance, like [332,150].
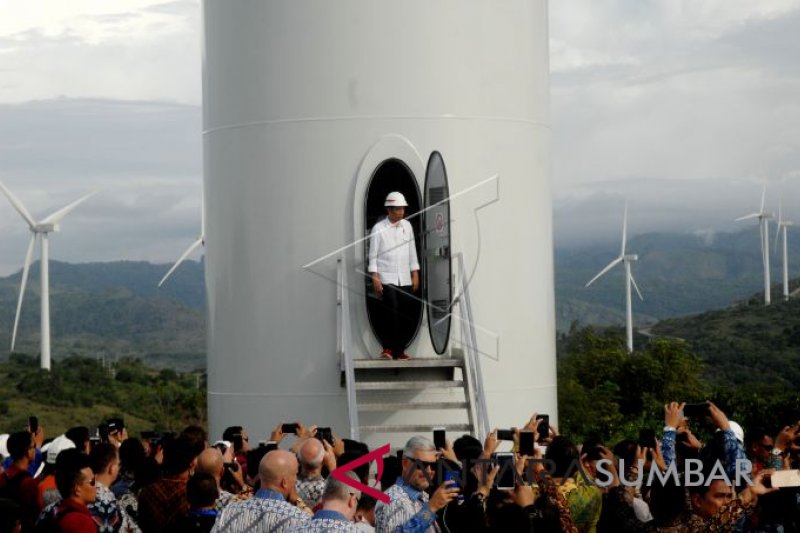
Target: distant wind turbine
[41,230]
[201,241]
[626,260]
[783,225]
[763,220]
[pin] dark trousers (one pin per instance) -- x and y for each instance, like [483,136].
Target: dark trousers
[397,304]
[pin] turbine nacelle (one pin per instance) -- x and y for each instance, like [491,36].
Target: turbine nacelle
[46,228]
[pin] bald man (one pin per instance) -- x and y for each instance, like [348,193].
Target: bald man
[212,463]
[310,482]
[270,510]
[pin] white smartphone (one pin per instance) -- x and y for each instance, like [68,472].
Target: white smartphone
[784,478]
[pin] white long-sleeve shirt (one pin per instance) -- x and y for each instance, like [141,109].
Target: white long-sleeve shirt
[392,253]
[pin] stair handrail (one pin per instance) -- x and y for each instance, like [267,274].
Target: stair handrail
[470,341]
[345,344]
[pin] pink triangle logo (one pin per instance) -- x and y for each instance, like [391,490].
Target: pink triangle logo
[377,455]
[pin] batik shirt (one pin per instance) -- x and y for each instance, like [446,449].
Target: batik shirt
[108,514]
[407,512]
[266,512]
[310,489]
[324,521]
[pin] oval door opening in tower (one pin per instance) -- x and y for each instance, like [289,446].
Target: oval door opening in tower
[392,175]
[436,262]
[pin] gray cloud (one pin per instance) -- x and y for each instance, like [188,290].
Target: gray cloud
[145,157]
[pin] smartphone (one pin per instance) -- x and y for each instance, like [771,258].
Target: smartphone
[439,439]
[505,434]
[448,476]
[289,428]
[33,425]
[695,410]
[647,438]
[505,476]
[543,429]
[325,434]
[526,442]
[782,478]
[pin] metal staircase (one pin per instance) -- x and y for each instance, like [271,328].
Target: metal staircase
[383,396]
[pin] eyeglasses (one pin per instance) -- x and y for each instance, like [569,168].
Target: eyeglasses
[766,447]
[422,464]
[92,482]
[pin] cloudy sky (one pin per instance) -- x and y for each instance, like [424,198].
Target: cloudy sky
[684,107]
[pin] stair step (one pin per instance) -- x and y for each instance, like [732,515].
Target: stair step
[414,428]
[407,385]
[360,364]
[399,406]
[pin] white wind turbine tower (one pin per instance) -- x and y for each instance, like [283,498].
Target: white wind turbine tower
[40,229]
[626,260]
[201,240]
[763,220]
[783,225]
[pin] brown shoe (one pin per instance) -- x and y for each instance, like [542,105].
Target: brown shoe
[403,357]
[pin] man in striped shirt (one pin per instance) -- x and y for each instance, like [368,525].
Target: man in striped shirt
[272,509]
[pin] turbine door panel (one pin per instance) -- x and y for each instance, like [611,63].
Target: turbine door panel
[436,258]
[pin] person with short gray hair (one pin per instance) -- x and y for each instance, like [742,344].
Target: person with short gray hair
[409,508]
[310,482]
[339,504]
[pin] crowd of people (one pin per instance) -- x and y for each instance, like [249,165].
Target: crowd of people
[182,482]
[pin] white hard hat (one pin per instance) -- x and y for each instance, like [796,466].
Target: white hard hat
[3,441]
[55,447]
[395,199]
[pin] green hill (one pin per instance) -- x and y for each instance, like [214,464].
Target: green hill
[745,343]
[113,310]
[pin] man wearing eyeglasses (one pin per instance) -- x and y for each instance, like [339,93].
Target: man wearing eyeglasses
[77,485]
[410,509]
[16,483]
[339,505]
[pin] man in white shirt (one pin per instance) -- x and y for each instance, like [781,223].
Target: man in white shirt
[395,271]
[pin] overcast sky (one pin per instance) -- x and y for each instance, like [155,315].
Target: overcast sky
[684,107]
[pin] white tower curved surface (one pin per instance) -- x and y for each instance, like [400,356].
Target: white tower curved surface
[302,101]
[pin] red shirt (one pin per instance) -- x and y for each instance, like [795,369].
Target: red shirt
[27,497]
[74,517]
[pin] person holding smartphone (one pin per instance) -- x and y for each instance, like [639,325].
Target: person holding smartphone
[410,508]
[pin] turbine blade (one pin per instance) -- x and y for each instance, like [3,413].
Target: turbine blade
[633,282]
[763,197]
[624,229]
[608,267]
[780,210]
[18,205]
[56,217]
[181,259]
[748,217]
[25,270]
[777,235]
